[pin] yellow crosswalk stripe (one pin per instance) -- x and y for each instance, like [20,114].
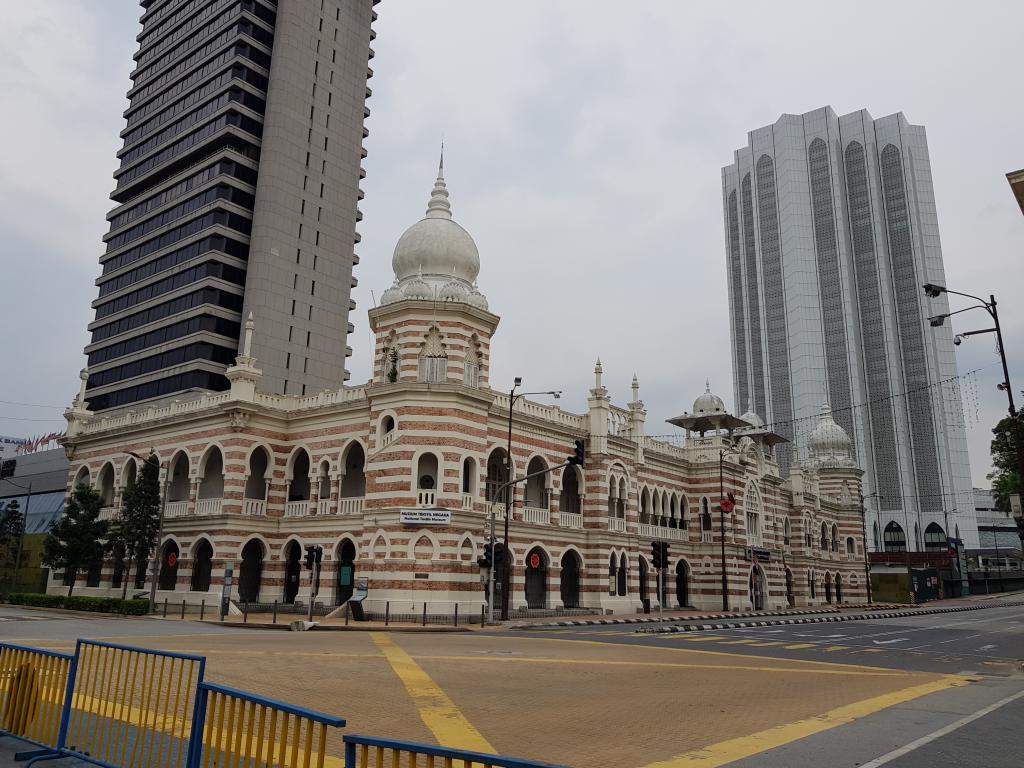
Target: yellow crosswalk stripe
[739,642]
[799,646]
[872,650]
[772,643]
[836,648]
[702,639]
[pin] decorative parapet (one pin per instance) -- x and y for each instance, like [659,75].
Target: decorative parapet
[550,413]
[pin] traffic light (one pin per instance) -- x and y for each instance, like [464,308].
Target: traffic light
[659,554]
[499,557]
[310,556]
[487,560]
[577,455]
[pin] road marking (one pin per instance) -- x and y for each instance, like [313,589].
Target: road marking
[704,639]
[872,650]
[834,669]
[739,642]
[438,712]
[889,642]
[907,748]
[799,646]
[769,644]
[988,647]
[726,752]
[833,648]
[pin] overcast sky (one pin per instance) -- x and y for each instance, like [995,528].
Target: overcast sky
[584,145]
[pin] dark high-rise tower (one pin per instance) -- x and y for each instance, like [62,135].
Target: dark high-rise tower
[237,192]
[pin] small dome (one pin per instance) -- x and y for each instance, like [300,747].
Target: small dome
[453,292]
[392,294]
[436,245]
[753,419]
[708,403]
[476,298]
[417,289]
[828,443]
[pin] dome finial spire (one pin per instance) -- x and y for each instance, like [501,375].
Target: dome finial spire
[439,207]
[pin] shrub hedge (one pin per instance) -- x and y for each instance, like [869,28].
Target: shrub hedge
[81,603]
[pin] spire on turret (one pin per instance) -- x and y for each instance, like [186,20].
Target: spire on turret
[636,389]
[250,324]
[598,370]
[439,207]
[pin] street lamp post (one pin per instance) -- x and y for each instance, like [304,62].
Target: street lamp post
[506,578]
[864,528]
[721,512]
[933,291]
[155,563]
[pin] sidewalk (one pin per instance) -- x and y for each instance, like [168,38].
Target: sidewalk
[338,624]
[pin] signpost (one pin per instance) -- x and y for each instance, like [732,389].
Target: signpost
[225,599]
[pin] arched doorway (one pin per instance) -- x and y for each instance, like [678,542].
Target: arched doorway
[757,588]
[643,585]
[621,576]
[250,575]
[828,587]
[169,566]
[202,566]
[790,597]
[570,578]
[536,578]
[682,584]
[839,588]
[346,578]
[292,571]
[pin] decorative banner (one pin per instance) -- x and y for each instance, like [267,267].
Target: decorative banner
[535,560]
[172,560]
[425,516]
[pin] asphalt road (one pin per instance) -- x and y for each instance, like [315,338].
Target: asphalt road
[975,726]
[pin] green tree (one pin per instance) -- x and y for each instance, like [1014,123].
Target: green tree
[133,534]
[12,528]
[76,541]
[1005,477]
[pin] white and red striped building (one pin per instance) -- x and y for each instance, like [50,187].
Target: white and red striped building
[253,478]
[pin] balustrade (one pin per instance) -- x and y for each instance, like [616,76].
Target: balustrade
[350,506]
[616,524]
[209,506]
[296,508]
[570,519]
[254,507]
[176,509]
[536,515]
[425,497]
[323,507]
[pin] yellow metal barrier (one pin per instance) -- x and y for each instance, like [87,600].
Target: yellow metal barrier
[366,752]
[33,689]
[243,729]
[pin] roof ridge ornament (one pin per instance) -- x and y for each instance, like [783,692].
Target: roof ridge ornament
[438,207]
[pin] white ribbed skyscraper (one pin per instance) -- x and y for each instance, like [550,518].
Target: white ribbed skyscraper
[831,231]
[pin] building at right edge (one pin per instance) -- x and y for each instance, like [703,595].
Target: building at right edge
[831,231]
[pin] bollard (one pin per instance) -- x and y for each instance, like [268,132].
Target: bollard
[387,612]
[165,607]
[424,613]
[202,609]
[456,614]
[483,613]
[275,611]
[245,612]
[348,612]
[183,609]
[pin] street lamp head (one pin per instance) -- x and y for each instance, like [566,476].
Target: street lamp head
[958,339]
[937,320]
[933,291]
[517,381]
[557,394]
[1001,386]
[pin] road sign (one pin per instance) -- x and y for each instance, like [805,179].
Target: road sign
[727,505]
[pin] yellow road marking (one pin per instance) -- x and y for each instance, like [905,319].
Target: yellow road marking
[438,712]
[836,648]
[799,646]
[739,642]
[835,669]
[871,650]
[729,751]
[769,644]
[704,639]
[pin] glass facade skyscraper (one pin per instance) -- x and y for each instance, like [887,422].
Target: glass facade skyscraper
[831,230]
[236,192]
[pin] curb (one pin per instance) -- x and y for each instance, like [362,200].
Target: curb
[340,628]
[676,628]
[660,620]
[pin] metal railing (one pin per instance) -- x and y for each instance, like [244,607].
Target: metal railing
[243,729]
[33,690]
[364,752]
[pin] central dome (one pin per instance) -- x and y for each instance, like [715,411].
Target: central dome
[435,246]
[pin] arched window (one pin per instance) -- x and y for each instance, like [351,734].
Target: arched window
[202,566]
[298,477]
[353,481]
[645,507]
[613,501]
[612,571]
[706,533]
[811,585]
[433,360]
[469,477]
[536,489]
[211,475]
[935,538]
[106,485]
[851,548]
[427,480]
[752,507]
[623,496]
[824,537]
[497,475]
[256,482]
[169,566]
[786,532]
[895,538]
[808,533]
[473,364]
[178,490]
[622,576]
[570,498]
[835,538]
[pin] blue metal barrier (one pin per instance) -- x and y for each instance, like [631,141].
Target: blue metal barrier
[242,729]
[358,751]
[128,706]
